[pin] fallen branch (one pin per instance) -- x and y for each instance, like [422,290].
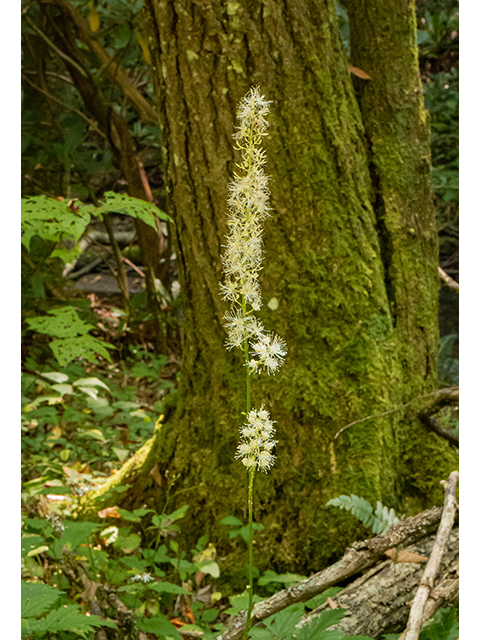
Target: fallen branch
[378,602]
[361,556]
[416,617]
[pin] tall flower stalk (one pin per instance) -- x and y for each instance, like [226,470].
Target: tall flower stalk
[248,207]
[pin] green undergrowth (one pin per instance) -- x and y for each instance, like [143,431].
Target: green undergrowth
[133,562]
[85,419]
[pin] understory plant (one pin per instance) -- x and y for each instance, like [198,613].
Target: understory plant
[248,207]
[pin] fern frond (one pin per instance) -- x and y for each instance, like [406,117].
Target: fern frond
[380,521]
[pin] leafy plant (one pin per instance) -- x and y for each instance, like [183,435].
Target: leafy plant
[72,336]
[380,520]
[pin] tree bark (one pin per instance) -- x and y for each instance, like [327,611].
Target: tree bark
[351,288]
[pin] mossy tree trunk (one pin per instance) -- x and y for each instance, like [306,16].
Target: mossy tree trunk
[346,282]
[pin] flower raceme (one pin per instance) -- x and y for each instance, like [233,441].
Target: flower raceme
[257,441]
[248,207]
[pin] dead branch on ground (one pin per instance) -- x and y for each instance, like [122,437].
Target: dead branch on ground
[417,613]
[360,557]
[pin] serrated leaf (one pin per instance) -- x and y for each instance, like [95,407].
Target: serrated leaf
[69,618]
[317,629]
[283,623]
[51,219]
[86,347]
[146,211]
[37,598]
[61,323]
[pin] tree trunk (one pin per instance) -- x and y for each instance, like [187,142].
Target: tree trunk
[352,291]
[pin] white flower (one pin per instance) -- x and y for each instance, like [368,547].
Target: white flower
[270,351]
[142,577]
[257,440]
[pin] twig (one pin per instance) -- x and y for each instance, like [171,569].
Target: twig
[434,425]
[361,556]
[50,96]
[145,110]
[134,267]
[427,583]
[53,46]
[86,269]
[446,591]
[402,406]
[449,282]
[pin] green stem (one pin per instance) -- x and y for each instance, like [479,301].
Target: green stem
[251,473]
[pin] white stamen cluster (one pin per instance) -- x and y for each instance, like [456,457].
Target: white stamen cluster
[142,577]
[247,209]
[255,448]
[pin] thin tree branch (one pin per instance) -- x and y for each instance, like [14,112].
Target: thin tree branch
[449,282]
[385,413]
[145,110]
[434,425]
[53,46]
[50,96]
[416,617]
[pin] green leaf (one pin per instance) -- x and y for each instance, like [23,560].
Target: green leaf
[128,515]
[91,382]
[61,323]
[316,629]
[86,347]
[30,542]
[51,220]
[128,543]
[37,598]
[231,521]
[167,587]
[121,35]
[178,513]
[121,203]
[160,625]
[282,624]
[56,376]
[69,618]
[77,533]
[284,578]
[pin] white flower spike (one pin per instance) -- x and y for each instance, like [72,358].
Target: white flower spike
[248,207]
